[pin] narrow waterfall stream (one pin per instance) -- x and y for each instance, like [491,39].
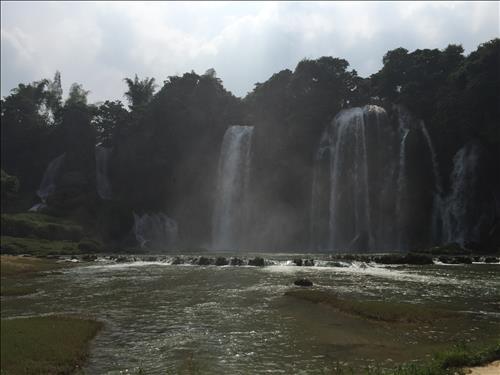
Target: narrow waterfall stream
[232,184]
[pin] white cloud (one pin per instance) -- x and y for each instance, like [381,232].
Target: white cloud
[98,44]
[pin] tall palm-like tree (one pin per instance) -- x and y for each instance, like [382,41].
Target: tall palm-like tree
[140,92]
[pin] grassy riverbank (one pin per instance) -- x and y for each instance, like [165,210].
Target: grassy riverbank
[15,270]
[40,345]
[454,361]
[45,345]
[40,235]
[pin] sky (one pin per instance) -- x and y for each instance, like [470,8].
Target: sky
[98,44]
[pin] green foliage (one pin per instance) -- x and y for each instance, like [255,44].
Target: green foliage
[24,127]
[77,95]
[36,246]
[40,226]
[140,92]
[110,121]
[9,184]
[45,345]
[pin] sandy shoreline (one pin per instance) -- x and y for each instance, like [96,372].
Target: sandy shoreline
[491,369]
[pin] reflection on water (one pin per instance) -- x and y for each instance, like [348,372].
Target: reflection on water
[165,318]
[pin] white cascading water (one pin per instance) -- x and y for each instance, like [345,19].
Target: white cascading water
[368,187]
[401,185]
[48,184]
[350,209]
[438,187]
[232,185]
[457,204]
[103,186]
[155,230]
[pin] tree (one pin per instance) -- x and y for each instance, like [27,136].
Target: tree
[24,128]
[77,95]
[54,93]
[110,118]
[140,92]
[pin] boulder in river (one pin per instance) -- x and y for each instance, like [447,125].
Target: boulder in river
[221,261]
[298,262]
[257,261]
[303,282]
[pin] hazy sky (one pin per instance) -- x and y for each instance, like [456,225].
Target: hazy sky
[98,44]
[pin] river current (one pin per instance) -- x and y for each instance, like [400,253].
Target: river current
[162,318]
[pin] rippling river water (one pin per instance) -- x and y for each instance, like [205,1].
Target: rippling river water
[162,318]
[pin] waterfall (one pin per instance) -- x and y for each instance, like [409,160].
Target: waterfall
[378,186]
[48,184]
[103,185]
[401,186]
[356,173]
[438,187]
[459,203]
[435,167]
[155,231]
[232,184]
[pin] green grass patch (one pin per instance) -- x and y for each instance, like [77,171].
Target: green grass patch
[462,355]
[40,226]
[45,345]
[453,361]
[36,246]
[381,311]
[15,266]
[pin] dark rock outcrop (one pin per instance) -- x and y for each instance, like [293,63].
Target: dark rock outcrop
[298,262]
[303,282]
[257,261]
[221,261]
[236,262]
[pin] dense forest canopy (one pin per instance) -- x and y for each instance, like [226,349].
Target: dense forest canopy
[166,141]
